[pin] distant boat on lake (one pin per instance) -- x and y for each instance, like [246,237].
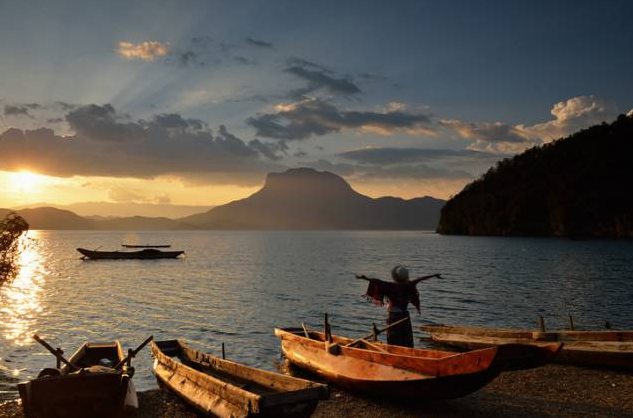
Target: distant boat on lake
[146,254]
[146,246]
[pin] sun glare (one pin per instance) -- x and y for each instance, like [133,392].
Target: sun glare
[25,181]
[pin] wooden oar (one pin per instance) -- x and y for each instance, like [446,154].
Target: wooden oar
[132,353]
[378,332]
[305,330]
[375,347]
[56,353]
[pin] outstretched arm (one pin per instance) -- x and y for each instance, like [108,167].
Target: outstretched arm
[419,279]
[363,277]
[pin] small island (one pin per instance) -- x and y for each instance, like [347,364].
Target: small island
[575,187]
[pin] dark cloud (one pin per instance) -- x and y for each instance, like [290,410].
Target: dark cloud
[102,123]
[318,117]
[17,110]
[300,154]
[240,59]
[259,43]
[270,150]
[383,156]
[55,120]
[413,171]
[166,144]
[484,131]
[320,79]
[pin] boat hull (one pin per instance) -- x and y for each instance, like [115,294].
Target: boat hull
[611,354]
[221,388]
[79,395]
[129,255]
[389,374]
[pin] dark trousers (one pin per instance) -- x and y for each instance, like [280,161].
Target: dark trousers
[401,334]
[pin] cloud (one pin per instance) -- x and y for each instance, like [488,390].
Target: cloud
[146,51]
[319,78]
[630,113]
[16,110]
[121,195]
[270,150]
[240,59]
[165,144]
[297,121]
[102,123]
[485,131]
[385,156]
[570,116]
[259,43]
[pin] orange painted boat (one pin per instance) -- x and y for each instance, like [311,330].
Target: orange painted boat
[394,371]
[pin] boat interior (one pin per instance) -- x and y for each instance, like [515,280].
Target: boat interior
[250,379]
[367,344]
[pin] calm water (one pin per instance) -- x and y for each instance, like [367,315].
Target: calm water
[235,287]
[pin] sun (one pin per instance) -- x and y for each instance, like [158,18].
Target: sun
[25,181]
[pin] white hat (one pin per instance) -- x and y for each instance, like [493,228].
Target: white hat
[400,274]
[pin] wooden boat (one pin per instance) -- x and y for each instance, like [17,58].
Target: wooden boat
[92,391]
[146,246]
[558,335]
[222,388]
[395,371]
[146,254]
[615,354]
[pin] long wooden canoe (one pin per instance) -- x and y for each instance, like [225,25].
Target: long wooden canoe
[558,335]
[146,246]
[613,354]
[146,254]
[222,388]
[93,391]
[390,370]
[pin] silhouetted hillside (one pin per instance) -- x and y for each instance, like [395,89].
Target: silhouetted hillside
[579,186]
[304,198]
[57,219]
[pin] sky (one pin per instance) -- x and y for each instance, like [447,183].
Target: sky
[193,102]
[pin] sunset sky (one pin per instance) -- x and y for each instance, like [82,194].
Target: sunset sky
[193,102]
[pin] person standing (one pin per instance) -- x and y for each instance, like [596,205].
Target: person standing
[399,294]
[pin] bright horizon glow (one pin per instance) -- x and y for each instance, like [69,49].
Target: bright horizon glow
[24,181]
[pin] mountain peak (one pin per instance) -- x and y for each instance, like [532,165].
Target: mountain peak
[304,179]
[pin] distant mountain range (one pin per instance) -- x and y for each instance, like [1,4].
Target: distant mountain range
[304,198]
[575,187]
[124,209]
[299,198]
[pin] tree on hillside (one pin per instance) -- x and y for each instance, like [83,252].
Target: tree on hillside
[11,229]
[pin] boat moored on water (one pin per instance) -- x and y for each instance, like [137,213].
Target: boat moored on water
[395,371]
[222,388]
[145,254]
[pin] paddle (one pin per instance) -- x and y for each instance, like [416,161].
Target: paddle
[377,332]
[57,353]
[132,353]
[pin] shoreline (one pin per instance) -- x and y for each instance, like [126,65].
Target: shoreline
[549,391]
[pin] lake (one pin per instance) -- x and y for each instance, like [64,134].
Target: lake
[236,286]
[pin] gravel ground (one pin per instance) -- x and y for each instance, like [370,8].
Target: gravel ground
[549,391]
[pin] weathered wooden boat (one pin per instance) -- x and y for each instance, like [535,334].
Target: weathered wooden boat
[84,389]
[614,354]
[146,246]
[222,388]
[146,254]
[394,371]
[554,335]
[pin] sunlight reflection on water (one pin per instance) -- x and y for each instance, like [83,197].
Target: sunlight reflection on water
[21,296]
[236,286]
